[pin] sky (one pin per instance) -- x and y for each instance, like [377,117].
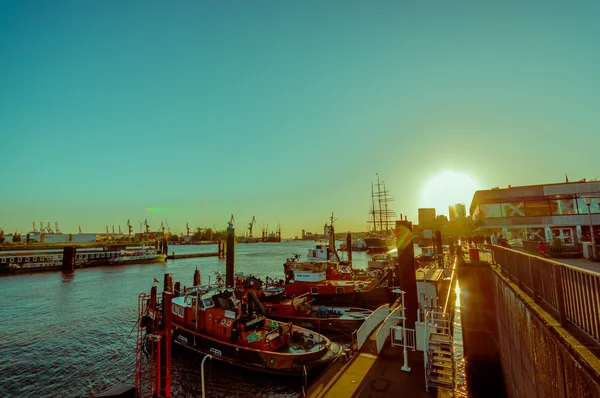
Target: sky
[192,111]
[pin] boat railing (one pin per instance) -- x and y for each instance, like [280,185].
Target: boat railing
[384,330]
[370,323]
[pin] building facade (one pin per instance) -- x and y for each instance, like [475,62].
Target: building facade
[539,212]
[457,212]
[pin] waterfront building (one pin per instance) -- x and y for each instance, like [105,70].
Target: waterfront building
[426,218]
[539,212]
[457,212]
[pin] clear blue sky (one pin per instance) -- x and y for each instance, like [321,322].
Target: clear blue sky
[284,110]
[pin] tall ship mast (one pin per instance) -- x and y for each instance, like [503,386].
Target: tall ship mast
[382,220]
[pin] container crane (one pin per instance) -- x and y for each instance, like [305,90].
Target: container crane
[250,226]
[49,228]
[34,229]
[129,228]
[56,228]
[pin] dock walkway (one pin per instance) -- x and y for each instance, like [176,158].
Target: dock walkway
[370,375]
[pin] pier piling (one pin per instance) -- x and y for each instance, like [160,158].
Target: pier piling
[439,249]
[168,283]
[406,277]
[68,262]
[197,280]
[230,256]
[349,245]
[177,291]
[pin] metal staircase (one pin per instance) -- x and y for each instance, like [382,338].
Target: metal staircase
[439,361]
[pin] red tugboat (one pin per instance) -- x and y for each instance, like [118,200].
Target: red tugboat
[210,320]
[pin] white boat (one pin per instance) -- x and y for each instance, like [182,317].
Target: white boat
[139,256]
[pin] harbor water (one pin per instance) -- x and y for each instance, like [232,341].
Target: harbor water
[74,335]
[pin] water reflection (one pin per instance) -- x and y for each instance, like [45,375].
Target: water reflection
[460,386]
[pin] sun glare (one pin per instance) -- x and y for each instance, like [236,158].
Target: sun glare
[446,189]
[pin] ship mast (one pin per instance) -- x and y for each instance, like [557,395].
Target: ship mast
[379,200]
[373,209]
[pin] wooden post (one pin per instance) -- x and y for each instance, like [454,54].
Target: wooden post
[230,256]
[559,295]
[197,280]
[166,366]
[68,262]
[406,277]
[349,245]
[177,291]
[168,283]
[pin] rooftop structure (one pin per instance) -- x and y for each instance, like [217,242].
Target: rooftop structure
[539,212]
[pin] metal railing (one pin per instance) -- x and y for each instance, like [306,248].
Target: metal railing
[374,319]
[571,294]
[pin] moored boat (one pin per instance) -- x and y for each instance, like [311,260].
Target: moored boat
[138,256]
[210,320]
[381,239]
[304,311]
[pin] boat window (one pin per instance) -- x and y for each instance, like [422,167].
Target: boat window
[222,321]
[314,290]
[3,260]
[208,303]
[339,290]
[27,259]
[273,309]
[174,310]
[181,311]
[19,259]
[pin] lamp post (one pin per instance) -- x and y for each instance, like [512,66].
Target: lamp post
[588,203]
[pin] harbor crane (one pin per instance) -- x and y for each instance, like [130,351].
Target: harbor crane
[56,228]
[250,226]
[168,228]
[80,229]
[49,228]
[147,226]
[162,227]
[129,228]
[41,227]
[187,228]
[34,230]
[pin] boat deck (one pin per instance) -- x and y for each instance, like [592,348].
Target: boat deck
[374,376]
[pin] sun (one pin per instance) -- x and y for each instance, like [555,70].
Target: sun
[448,188]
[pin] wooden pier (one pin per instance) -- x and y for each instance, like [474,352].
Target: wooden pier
[174,256]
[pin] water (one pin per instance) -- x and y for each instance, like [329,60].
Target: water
[66,335]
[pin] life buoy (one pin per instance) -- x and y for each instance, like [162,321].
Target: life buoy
[310,336]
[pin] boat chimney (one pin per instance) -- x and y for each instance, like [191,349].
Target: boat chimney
[230,256]
[406,276]
[197,280]
[349,245]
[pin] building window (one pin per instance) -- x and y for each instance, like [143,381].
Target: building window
[513,209]
[583,209]
[563,207]
[491,210]
[537,208]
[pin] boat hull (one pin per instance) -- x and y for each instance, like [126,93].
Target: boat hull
[323,324]
[370,299]
[262,361]
[158,259]
[380,245]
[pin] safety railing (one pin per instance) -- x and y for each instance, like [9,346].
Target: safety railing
[572,295]
[374,319]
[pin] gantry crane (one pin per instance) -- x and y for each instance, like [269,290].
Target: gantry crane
[250,226]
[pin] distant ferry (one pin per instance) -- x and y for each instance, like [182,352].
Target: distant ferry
[48,261]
